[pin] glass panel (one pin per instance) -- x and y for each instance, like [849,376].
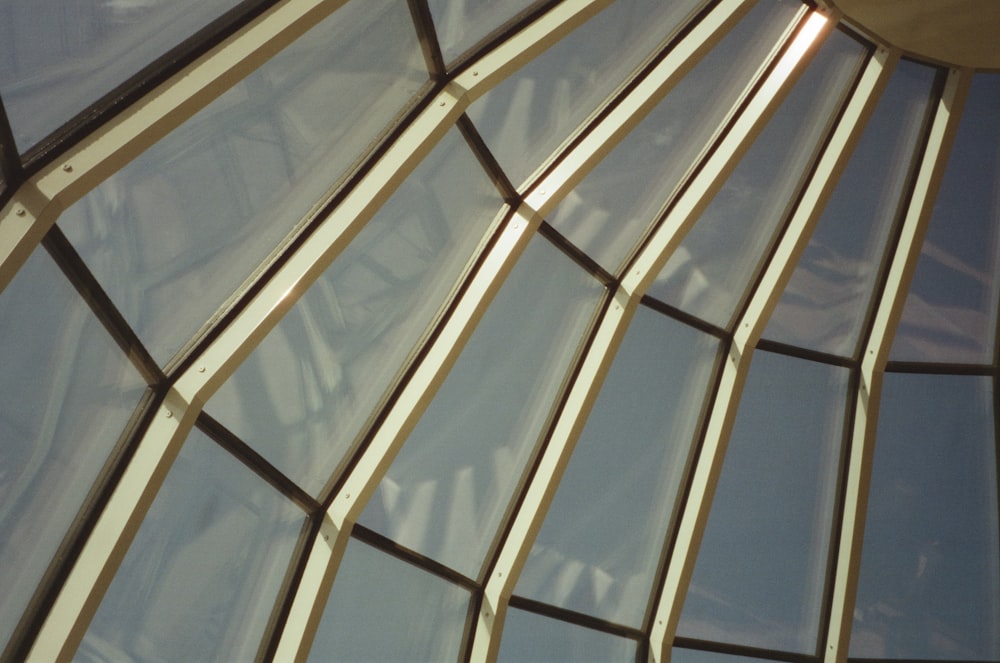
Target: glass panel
[305,394]
[930,571]
[599,546]
[708,274]
[525,118]
[681,655]
[607,212]
[175,233]
[384,609]
[760,572]
[824,305]
[58,57]
[446,493]
[66,393]
[950,313]
[532,638]
[460,24]
[200,580]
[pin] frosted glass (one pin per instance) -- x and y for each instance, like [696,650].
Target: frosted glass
[607,213]
[384,609]
[760,572]
[201,578]
[446,493]
[930,569]
[532,638]
[58,57]
[824,306]
[950,313]
[710,271]
[66,393]
[525,118]
[174,234]
[304,395]
[602,539]
[460,24]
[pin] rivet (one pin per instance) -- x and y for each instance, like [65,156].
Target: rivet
[67,168]
[499,574]
[347,496]
[169,414]
[475,73]
[542,192]
[201,369]
[442,104]
[326,537]
[20,211]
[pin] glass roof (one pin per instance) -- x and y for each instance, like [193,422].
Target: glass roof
[425,330]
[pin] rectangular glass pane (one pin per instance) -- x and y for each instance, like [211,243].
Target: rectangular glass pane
[201,578]
[761,567]
[525,118]
[532,638]
[175,233]
[825,303]
[59,57]
[606,214]
[304,395]
[602,539]
[67,392]
[709,272]
[384,609]
[950,313]
[930,569]
[446,493]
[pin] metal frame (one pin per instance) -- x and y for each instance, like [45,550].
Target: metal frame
[30,211]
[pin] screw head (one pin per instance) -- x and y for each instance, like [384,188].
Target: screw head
[201,369]
[67,168]
[20,211]
[169,414]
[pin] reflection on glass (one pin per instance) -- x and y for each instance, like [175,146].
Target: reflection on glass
[709,272]
[607,213]
[448,489]
[532,638]
[760,572]
[825,303]
[462,23]
[950,312]
[930,570]
[681,655]
[524,119]
[304,395]
[175,233]
[59,57]
[66,393]
[384,609]
[202,575]
[599,546]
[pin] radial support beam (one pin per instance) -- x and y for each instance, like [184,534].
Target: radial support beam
[541,490]
[597,361]
[727,152]
[708,466]
[364,478]
[876,354]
